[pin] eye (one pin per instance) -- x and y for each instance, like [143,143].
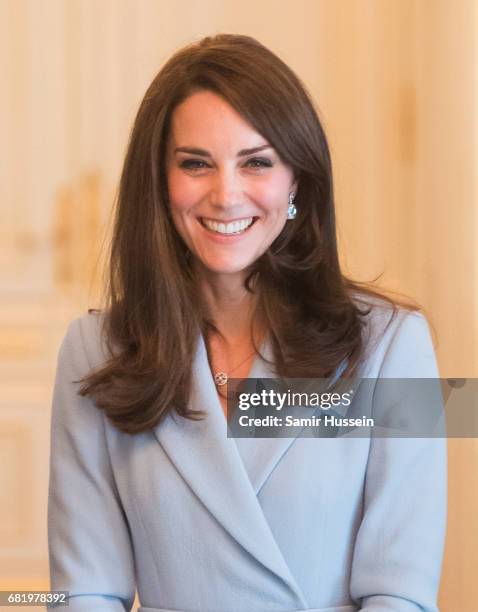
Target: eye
[259,162]
[193,164]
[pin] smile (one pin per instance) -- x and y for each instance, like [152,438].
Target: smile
[238,226]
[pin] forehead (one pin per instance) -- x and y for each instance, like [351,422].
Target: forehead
[206,116]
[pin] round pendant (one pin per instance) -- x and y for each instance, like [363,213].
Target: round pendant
[220,378]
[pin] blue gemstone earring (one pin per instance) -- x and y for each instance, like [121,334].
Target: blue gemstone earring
[291,210]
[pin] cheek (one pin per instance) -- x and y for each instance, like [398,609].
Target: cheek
[273,197]
[183,194]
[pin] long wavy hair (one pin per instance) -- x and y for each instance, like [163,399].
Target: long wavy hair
[154,311]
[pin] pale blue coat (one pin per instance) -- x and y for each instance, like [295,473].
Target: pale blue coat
[199,522]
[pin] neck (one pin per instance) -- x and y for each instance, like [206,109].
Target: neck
[230,305]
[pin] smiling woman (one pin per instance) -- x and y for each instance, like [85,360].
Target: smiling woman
[224,263]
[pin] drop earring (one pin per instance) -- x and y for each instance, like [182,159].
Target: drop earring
[291,210]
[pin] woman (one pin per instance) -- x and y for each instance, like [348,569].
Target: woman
[224,263]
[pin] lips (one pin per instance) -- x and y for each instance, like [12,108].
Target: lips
[238,226]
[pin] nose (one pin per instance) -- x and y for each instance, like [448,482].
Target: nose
[226,189]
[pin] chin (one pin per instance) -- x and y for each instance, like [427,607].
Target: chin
[226,267]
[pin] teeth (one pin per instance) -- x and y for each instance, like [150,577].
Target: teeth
[236,227]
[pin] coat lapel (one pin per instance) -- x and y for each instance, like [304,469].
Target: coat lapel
[212,466]
[261,455]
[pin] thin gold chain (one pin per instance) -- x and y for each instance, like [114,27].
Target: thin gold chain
[221,377]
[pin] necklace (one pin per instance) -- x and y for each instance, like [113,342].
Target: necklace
[221,378]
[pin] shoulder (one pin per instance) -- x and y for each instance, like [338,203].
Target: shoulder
[396,340]
[83,343]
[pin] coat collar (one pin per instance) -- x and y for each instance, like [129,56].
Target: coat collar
[212,466]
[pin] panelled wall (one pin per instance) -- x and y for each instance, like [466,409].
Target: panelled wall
[396,85]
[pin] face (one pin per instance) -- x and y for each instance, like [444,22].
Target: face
[228,188]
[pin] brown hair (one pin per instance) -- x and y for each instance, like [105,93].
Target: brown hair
[154,315]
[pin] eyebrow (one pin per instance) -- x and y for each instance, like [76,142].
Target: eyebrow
[204,153]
